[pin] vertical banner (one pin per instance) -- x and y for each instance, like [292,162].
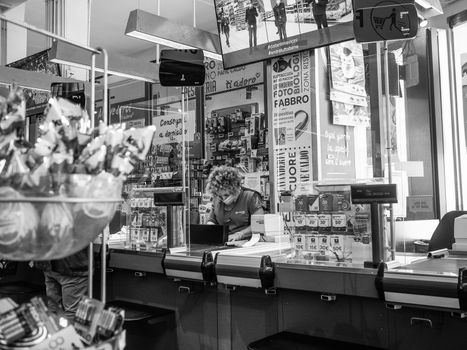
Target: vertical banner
[292,124]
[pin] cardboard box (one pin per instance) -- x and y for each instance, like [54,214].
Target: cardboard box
[339,222]
[301,204]
[267,224]
[324,222]
[312,243]
[460,226]
[313,202]
[459,246]
[323,243]
[299,242]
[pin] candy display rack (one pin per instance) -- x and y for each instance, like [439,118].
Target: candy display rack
[89,202]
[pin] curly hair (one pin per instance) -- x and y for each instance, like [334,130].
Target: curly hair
[224,178]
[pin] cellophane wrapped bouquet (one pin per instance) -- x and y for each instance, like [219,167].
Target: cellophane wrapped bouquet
[58,194]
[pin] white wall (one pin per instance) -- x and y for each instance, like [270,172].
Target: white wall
[16,36]
[454,8]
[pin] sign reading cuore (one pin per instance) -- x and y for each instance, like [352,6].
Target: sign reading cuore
[292,121]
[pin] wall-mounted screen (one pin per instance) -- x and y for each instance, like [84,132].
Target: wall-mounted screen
[256,30]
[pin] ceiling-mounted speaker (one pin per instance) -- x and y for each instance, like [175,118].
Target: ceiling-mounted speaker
[181,68]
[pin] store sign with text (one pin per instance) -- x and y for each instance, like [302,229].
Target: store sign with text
[292,124]
[219,80]
[169,127]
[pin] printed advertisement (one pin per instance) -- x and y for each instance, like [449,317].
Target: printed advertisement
[348,94]
[169,127]
[219,80]
[255,30]
[292,124]
[293,167]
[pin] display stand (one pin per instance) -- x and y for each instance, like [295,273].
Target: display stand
[376,195]
[116,342]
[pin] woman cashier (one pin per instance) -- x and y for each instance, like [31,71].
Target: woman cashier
[233,204]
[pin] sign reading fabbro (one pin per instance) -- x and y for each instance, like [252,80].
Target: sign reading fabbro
[384,20]
[292,120]
[218,80]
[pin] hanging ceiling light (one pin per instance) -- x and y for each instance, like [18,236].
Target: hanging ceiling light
[160,30]
[429,8]
[422,21]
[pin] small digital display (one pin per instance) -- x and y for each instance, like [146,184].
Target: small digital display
[373,194]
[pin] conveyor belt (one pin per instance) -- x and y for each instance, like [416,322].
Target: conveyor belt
[431,282]
[444,266]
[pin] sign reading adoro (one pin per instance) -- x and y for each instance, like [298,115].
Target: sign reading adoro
[218,80]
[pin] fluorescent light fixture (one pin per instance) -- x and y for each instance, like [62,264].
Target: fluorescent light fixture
[430,8]
[425,4]
[30,79]
[147,26]
[122,66]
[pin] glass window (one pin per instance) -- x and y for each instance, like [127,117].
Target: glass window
[460,52]
[332,127]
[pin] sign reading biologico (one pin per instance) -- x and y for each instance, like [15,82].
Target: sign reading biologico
[292,124]
[219,80]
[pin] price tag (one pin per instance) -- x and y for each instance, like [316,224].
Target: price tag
[230,134]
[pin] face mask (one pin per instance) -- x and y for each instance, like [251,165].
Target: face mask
[229,199]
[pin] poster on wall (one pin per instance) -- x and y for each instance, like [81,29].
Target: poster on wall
[256,30]
[336,142]
[292,121]
[348,93]
[169,127]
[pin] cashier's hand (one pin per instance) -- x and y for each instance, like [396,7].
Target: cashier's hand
[235,236]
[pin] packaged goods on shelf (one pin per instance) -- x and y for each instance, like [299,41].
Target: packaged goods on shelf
[32,325]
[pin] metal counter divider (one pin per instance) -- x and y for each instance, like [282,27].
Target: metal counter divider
[250,267]
[247,271]
[184,266]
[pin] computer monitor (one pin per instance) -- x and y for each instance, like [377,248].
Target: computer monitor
[214,235]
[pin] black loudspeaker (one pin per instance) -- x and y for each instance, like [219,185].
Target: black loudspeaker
[181,68]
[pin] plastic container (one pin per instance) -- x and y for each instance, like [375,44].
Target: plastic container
[52,224]
[39,337]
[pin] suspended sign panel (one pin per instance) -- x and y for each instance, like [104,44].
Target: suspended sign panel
[384,21]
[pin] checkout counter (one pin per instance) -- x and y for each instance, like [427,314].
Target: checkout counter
[228,298]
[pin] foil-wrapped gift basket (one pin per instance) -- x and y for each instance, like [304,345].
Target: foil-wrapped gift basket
[57,195]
